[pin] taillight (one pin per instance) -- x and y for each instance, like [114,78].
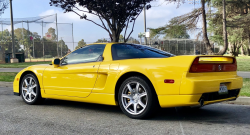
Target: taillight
[209,66]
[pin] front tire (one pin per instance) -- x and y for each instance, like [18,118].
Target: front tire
[137,98]
[30,90]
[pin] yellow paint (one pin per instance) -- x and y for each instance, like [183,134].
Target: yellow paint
[95,82]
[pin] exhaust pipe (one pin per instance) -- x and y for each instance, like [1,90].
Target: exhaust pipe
[201,103]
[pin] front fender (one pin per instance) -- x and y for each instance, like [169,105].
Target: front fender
[37,70]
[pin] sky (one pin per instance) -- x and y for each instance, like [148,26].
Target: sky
[159,15]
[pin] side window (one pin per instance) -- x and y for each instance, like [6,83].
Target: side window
[86,54]
[131,51]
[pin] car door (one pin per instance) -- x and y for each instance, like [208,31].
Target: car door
[77,73]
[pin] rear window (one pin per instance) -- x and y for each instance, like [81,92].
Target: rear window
[131,51]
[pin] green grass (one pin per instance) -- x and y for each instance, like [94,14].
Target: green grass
[22,65]
[245,91]
[7,76]
[38,59]
[243,63]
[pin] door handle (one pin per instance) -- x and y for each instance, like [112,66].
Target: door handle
[93,66]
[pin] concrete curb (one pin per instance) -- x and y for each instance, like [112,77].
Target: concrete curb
[238,101]
[6,84]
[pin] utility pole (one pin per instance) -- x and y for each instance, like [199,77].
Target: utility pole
[61,46]
[28,31]
[145,28]
[57,37]
[43,42]
[12,31]
[73,36]
[2,31]
[33,47]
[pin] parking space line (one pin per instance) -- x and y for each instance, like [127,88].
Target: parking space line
[12,109]
[182,131]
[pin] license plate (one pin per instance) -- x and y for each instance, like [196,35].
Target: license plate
[223,89]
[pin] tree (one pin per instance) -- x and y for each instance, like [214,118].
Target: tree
[6,41]
[81,44]
[191,19]
[101,40]
[3,5]
[238,26]
[133,41]
[63,47]
[171,30]
[115,15]
[50,46]
[52,33]
[121,38]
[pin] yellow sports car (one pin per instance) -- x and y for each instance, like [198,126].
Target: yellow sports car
[135,77]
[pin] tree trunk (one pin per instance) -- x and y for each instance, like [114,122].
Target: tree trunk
[115,36]
[223,51]
[204,30]
[242,50]
[248,47]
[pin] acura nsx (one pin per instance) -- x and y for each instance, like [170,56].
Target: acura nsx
[137,78]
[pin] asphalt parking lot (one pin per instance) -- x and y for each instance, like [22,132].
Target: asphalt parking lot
[65,117]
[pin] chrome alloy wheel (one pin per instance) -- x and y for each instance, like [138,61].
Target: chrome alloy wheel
[29,91]
[134,98]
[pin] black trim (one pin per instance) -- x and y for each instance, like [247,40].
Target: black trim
[215,95]
[16,94]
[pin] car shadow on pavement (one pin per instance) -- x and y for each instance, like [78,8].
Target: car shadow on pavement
[82,105]
[211,114]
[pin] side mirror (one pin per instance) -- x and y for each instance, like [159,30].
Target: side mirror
[56,62]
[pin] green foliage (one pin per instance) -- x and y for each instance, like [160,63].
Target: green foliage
[114,16]
[238,27]
[171,30]
[101,40]
[62,46]
[133,41]
[121,38]
[6,41]
[52,32]
[81,44]
[22,37]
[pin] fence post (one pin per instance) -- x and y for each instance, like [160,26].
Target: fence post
[177,46]
[194,48]
[185,46]
[169,45]
[200,47]
[28,40]
[33,48]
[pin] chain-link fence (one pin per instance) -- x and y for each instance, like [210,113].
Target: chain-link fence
[47,50]
[178,46]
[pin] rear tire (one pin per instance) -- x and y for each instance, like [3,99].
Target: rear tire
[30,90]
[137,98]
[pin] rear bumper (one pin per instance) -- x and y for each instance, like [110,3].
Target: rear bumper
[195,86]
[193,100]
[199,83]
